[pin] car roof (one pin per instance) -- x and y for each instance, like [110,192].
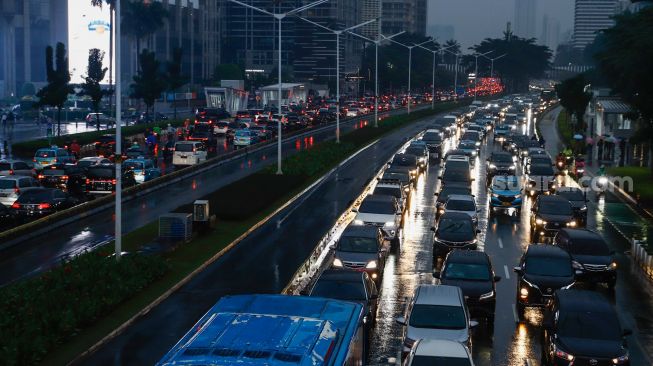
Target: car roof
[364,231]
[461,197]
[379,198]
[343,275]
[539,250]
[500,153]
[467,256]
[12,177]
[442,348]
[455,215]
[551,198]
[583,300]
[438,295]
[582,234]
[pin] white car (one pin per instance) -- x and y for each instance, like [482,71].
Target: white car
[12,186]
[92,160]
[188,153]
[353,112]
[436,312]
[439,352]
[15,167]
[221,128]
[382,211]
[462,203]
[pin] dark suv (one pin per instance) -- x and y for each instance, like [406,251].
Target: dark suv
[500,163]
[582,328]
[591,257]
[578,202]
[542,270]
[444,194]
[362,248]
[472,272]
[550,214]
[455,230]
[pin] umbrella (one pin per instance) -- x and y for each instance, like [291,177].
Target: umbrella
[578,137]
[589,140]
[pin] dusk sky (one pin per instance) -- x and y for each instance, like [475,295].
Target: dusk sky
[475,20]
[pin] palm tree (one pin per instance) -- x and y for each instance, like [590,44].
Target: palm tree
[140,20]
[449,58]
[112,10]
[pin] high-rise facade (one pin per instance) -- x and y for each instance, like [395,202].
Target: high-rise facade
[590,17]
[525,20]
[26,28]
[403,15]
[371,9]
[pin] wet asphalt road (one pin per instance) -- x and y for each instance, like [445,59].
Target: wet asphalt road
[241,270]
[45,251]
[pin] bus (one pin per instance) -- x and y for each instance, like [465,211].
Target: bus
[274,330]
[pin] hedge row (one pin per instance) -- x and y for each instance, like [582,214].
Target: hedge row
[42,312]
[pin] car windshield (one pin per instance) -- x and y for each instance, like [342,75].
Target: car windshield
[446,191]
[417,151]
[461,205]
[588,246]
[540,160]
[439,360]
[101,172]
[455,175]
[455,226]
[184,147]
[549,266]
[572,195]
[506,185]
[45,153]
[438,317]
[467,271]
[341,290]
[133,165]
[85,163]
[53,172]
[404,160]
[35,196]
[432,136]
[242,133]
[589,325]
[377,207]
[458,164]
[7,184]
[358,244]
[541,170]
[501,158]
[388,191]
[555,208]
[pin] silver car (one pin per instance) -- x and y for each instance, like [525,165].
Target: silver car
[15,167]
[462,203]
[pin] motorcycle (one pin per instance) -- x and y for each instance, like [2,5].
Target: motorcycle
[601,186]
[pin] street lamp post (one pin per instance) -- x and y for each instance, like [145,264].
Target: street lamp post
[433,77]
[410,63]
[476,56]
[118,158]
[338,33]
[280,17]
[376,71]
[492,60]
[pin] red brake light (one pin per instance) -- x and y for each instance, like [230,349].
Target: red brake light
[16,190]
[43,206]
[41,176]
[64,177]
[11,172]
[113,181]
[88,181]
[15,205]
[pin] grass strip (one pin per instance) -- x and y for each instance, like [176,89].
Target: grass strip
[642,181]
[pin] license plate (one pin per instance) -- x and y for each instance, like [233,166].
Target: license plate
[183,156]
[506,203]
[44,163]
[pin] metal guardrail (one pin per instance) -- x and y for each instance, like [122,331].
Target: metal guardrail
[641,257]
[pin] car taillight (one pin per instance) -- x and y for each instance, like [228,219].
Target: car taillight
[88,181]
[16,190]
[34,160]
[11,172]
[196,121]
[41,176]
[44,206]
[113,181]
[64,177]
[15,205]
[55,160]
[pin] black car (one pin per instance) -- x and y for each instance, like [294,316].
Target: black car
[456,176]
[541,179]
[406,161]
[591,258]
[67,177]
[472,271]
[453,230]
[582,328]
[542,270]
[433,140]
[7,217]
[101,179]
[206,136]
[578,202]
[362,248]
[500,162]
[422,154]
[349,285]
[443,195]
[38,202]
[550,214]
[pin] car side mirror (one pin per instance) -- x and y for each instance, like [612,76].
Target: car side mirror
[473,324]
[437,274]
[478,231]
[400,320]
[433,228]
[436,193]
[627,332]
[518,270]
[497,278]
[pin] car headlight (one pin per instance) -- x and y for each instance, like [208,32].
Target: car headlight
[371,265]
[513,167]
[603,180]
[494,195]
[584,208]
[421,160]
[358,222]
[337,262]
[539,221]
[562,354]
[389,224]
[612,266]
[441,211]
[474,153]
[478,143]
[576,265]
[523,292]
[492,166]
[620,359]
[572,223]
[486,296]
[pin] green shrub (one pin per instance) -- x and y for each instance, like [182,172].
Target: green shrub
[42,312]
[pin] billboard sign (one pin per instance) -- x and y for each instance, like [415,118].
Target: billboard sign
[88,27]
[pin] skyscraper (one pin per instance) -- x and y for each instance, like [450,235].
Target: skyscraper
[370,9]
[403,15]
[590,17]
[525,18]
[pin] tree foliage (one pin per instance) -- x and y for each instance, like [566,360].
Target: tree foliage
[141,19]
[453,47]
[174,77]
[574,98]
[94,75]
[228,72]
[55,93]
[524,60]
[149,83]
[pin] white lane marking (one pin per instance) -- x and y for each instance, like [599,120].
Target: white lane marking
[500,243]
[505,269]
[514,313]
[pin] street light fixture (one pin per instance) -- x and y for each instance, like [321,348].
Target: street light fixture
[118,156]
[494,59]
[410,62]
[279,17]
[433,82]
[477,55]
[338,33]
[376,71]
[455,77]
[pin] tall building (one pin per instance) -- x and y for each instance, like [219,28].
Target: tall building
[525,19]
[403,15]
[590,17]
[27,27]
[550,34]
[442,33]
[370,9]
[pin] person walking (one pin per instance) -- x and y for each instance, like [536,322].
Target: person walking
[4,121]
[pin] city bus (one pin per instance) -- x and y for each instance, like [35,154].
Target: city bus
[274,330]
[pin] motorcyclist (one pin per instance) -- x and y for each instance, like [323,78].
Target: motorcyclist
[580,166]
[602,170]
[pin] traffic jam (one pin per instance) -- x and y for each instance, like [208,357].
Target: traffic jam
[468,248]
[60,177]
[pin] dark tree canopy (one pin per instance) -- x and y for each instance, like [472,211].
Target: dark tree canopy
[55,93]
[92,81]
[573,96]
[174,77]
[150,82]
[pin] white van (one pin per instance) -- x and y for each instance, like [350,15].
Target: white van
[188,153]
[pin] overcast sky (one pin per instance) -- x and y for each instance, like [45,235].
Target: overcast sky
[475,20]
